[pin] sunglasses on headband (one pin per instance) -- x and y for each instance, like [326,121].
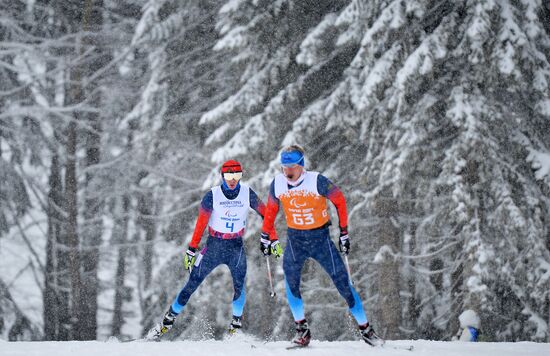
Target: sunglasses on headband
[231,176]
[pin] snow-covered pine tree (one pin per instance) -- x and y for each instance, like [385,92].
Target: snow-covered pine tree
[45,42]
[187,77]
[432,116]
[160,75]
[265,38]
[27,132]
[439,106]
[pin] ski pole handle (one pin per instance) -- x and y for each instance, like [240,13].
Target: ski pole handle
[347,268]
[272,294]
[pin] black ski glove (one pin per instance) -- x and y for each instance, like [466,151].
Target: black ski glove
[343,242]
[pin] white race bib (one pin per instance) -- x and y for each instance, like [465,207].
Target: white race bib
[229,215]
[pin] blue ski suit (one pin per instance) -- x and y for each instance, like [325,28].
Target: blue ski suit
[221,248]
[308,223]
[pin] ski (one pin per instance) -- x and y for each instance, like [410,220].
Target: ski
[115,339]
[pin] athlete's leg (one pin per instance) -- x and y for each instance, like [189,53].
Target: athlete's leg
[210,260]
[294,258]
[237,267]
[329,258]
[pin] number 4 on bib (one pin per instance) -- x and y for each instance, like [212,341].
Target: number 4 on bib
[230,226]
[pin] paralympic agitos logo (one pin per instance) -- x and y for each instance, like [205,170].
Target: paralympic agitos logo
[230,214]
[296,204]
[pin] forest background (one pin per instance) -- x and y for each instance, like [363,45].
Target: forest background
[432,116]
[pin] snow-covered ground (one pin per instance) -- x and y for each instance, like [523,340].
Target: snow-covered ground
[244,347]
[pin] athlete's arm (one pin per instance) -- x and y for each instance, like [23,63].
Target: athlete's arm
[328,189]
[205,210]
[257,204]
[271,213]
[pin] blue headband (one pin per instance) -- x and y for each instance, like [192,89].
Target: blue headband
[292,158]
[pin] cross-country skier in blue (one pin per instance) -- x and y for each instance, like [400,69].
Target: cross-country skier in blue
[303,196]
[224,210]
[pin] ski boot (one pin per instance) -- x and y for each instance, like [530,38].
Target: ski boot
[235,326]
[303,335]
[163,327]
[369,336]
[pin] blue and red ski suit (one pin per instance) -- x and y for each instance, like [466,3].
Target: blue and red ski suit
[221,248]
[307,216]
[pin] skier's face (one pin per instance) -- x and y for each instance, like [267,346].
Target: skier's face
[232,179]
[293,172]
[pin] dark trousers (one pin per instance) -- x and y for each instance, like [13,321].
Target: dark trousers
[316,244]
[217,252]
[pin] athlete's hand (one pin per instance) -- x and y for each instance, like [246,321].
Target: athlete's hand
[276,249]
[189,258]
[270,246]
[265,244]
[343,241]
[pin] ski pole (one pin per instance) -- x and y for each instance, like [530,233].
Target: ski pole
[272,294]
[347,268]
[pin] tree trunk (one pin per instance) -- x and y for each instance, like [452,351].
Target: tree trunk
[55,298]
[91,236]
[471,300]
[457,296]
[120,291]
[84,263]
[93,205]
[148,224]
[71,203]
[414,311]
[385,208]
[121,238]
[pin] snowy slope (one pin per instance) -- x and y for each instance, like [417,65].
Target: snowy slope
[255,348]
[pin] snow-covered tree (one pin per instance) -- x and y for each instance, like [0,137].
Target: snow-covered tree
[431,116]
